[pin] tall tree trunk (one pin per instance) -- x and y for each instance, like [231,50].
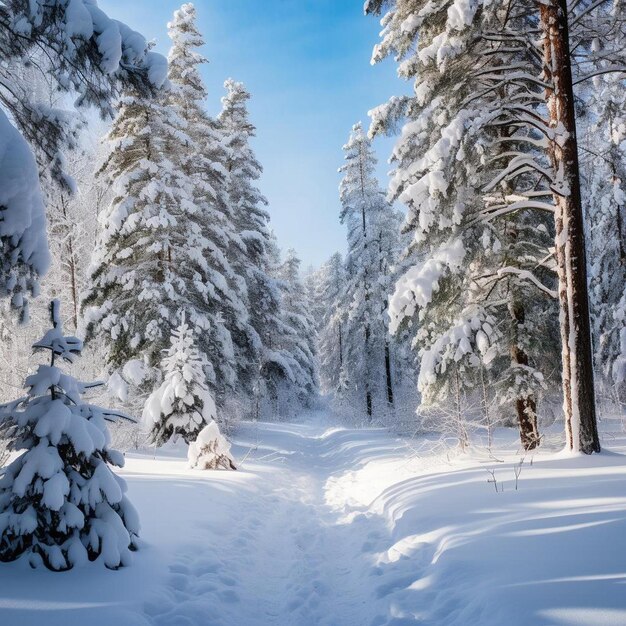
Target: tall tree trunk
[388,373]
[578,390]
[525,405]
[368,392]
[340,348]
[71,264]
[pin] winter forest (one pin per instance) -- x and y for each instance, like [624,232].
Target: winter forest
[390,391]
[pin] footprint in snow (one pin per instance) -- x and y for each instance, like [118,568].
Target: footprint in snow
[394,585]
[201,568]
[229,596]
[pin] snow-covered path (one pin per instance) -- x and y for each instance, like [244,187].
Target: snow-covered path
[324,526]
[282,557]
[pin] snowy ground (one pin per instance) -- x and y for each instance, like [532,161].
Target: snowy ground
[329,526]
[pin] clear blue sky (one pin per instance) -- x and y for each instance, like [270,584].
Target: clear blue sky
[307,65]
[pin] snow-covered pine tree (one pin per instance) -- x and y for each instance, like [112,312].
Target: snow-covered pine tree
[576,43]
[312,280]
[24,255]
[295,355]
[183,405]
[475,264]
[204,160]
[148,261]
[373,236]
[251,219]
[60,503]
[603,152]
[331,325]
[278,368]
[433,177]
[515,281]
[86,53]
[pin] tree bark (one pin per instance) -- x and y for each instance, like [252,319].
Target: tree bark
[340,348]
[578,389]
[526,405]
[388,373]
[368,393]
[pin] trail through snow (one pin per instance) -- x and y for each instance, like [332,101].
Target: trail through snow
[283,557]
[326,526]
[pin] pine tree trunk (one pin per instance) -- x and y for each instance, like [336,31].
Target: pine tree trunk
[578,390]
[368,393]
[527,418]
[525,405]
[388,373]
[621,234]
[340,348]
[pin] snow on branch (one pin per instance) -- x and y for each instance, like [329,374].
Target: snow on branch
[529,276]
[416,287]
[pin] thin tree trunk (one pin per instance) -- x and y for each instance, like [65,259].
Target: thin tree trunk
[71,266]
[461,432]
[486,408]
[73,285]
[621,234]
[368,393]
[340,348]
[388,373]
[578,390]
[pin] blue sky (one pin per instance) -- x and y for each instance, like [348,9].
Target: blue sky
[306,63]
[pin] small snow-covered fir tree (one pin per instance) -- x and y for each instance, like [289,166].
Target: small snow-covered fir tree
[182,405]
[210,450]
[60,503]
